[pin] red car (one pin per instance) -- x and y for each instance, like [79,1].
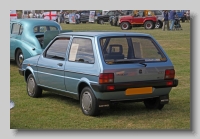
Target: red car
[127,22]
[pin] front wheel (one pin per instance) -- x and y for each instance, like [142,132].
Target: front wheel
[88,102]
[125,26]
[19,58]
[32,89]
[149,25]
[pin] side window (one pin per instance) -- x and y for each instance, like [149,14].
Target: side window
[58,49]
[15,28]
[42,29]
[81,51]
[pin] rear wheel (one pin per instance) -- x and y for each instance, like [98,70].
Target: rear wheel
[153,103]
[149,25]
[88,102]
[125,25]
[19,58]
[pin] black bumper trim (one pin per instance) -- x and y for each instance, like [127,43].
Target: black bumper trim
[125,85]
[21,72]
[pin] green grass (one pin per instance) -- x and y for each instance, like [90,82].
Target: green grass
[57,112]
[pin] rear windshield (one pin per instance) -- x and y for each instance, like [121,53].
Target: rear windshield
[42,29]
[119,50]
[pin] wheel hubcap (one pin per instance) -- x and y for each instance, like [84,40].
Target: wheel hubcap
[86,101]
[125,26]
[31,86]
[21,58]
[148,25]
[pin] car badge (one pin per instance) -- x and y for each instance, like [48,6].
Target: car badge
[140,71]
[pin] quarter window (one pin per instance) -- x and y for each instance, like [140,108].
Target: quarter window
[81,51]
[15,28]
[58,49]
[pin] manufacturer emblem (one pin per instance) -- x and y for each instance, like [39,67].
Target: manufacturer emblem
[140,71]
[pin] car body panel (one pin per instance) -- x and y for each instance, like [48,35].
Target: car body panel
[25,39]
[72,76]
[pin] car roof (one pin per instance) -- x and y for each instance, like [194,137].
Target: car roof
[33,21]
[103,33]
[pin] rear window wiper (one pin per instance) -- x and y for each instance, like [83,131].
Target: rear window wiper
[140,61]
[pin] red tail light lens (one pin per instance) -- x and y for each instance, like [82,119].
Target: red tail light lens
[106,78]
[169,74]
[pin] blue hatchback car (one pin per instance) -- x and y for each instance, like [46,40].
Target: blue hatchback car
[99,68]
[27,37]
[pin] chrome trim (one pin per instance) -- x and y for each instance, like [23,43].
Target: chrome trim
[50,68]
[50,74]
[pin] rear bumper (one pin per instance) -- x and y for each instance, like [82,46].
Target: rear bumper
[125,85]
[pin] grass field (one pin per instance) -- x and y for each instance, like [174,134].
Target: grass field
[56,112]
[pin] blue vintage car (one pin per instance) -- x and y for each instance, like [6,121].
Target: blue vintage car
[99,68]
[27,37]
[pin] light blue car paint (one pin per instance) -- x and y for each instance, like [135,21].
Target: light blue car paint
[70,78]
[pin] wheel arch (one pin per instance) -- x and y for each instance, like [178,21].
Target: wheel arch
[84,82]
[29,71]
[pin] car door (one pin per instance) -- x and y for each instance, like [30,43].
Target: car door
[140,18]
[15,36]
[51,64]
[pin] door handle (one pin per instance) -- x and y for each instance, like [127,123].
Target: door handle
[59,64]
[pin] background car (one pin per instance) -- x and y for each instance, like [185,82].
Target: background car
[27,37]
[99,68]
[105,18]
[160,16]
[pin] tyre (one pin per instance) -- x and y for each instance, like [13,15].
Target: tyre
[125,25]
[159,24]
[88,102]
[149,25]
[153,103]
[101,21]
[19,58]
[32,89]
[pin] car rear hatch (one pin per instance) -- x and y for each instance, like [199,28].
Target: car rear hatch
[136,62]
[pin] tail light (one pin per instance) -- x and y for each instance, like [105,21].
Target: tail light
[169,74]
[106,78]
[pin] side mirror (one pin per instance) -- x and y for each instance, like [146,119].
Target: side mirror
[12,104]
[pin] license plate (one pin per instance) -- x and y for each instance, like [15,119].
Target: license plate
[138,91]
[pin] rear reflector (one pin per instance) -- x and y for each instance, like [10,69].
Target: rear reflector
[110,87]
[169,74]
[106,78]
[169,83]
